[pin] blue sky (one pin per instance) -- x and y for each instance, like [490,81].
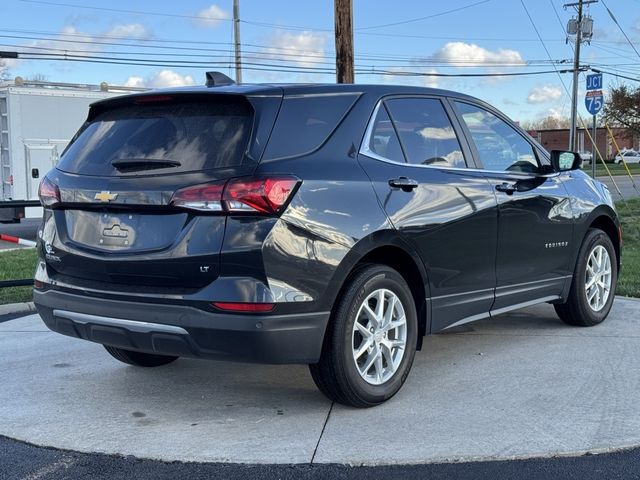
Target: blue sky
[487,36]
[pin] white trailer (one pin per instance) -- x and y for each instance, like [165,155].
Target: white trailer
[37,121]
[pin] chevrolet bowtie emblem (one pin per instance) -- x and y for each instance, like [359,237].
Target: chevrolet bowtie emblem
[105,196]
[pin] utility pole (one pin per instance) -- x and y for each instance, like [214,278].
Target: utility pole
[343,16]
[577,27]
[236,39]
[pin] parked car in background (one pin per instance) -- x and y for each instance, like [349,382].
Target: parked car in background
[630,156]
[586,156]
[329,225]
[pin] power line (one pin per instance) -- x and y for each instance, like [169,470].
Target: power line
[261,66]
[413,20]
[117,10]
[615,20]
[308,57]
[597,70]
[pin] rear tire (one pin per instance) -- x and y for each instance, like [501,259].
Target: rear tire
[368,351]
[139,359]
[592,289]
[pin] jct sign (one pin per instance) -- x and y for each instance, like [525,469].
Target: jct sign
[594,81]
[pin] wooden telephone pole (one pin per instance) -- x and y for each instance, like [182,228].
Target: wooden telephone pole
[236,39]
[343,16]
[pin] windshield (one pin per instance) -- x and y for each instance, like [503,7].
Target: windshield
[162,138]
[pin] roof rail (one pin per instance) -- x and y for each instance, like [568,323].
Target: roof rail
[216,79]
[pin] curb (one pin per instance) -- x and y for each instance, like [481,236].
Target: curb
[13,308]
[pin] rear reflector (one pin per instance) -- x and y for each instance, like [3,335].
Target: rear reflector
[244,307]
[268,195]
[49,193]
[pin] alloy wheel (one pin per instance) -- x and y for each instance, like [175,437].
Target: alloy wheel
[379,336]
[598,278]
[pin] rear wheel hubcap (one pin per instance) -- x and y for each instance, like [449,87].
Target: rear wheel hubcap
[379,336]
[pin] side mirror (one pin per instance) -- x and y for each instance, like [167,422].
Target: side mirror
[562,161]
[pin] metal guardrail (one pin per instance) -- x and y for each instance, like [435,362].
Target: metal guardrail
[25,282]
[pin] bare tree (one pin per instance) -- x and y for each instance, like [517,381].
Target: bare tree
[547,123]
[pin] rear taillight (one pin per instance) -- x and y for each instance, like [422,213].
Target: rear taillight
[205,198]
[268,195]
[49,193]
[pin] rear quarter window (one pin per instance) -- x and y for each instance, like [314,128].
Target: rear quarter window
[193,135]
[305,122]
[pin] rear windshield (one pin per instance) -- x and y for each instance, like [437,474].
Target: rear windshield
[162,138]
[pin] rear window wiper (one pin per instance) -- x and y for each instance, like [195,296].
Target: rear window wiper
[132,164]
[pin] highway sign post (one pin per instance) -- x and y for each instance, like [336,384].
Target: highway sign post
[593,101]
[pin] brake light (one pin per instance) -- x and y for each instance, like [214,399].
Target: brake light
[152,99]
[49,193]
[244,307]
[266,195]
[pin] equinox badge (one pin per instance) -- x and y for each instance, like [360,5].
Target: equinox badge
[105,196]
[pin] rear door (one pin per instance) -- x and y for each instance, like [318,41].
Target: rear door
[417,162]
[115,222]
[534,212]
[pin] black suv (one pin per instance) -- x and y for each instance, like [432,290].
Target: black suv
[332,225]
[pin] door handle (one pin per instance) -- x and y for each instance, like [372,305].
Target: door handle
[406,184]
[35,173]
[507,188]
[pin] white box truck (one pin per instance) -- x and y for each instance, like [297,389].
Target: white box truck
[37,121]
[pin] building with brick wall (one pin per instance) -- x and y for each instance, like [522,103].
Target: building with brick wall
[558,139]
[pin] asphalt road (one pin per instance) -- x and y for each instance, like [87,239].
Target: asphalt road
[625,185]
[20,461]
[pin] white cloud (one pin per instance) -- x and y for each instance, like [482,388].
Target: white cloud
[304,49]
[211,16]
[544,94]
[161,79]
[137,82]
[471,54]
[131,30]
[431,81]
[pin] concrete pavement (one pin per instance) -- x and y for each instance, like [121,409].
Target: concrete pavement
[519,385]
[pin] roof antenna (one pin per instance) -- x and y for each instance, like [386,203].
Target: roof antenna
[216,79]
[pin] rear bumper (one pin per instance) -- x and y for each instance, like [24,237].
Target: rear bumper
[185,331]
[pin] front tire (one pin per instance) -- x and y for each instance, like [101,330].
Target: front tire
[371,339]
[594,282]
[139,359]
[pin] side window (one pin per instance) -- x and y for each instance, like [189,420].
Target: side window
[383,140]
[426,132]
[305,122]
[500,146]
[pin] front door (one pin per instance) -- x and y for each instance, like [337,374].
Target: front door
[418,167]
[534,213]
